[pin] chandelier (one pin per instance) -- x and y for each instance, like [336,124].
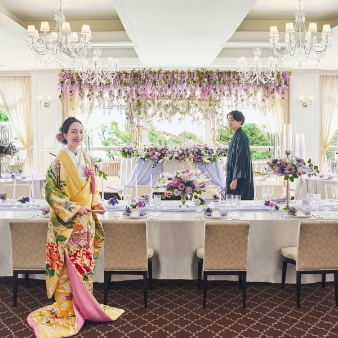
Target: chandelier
[257,73]
[58,45]
[97,71]
[300,43]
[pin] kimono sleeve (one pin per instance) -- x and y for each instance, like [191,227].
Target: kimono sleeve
[55,196]
[239,159]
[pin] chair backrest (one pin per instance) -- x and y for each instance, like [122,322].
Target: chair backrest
[277,191]
[125,246]
[317,245]
[141,190]
[226,246]
[20,190]
[210,191]
[29,239]
[328,193]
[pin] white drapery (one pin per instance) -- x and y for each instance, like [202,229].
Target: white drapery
[328,112]
[16,95]
[75,106]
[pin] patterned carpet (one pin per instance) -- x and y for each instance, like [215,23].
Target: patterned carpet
[175,310]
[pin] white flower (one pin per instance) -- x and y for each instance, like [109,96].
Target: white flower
[197,201]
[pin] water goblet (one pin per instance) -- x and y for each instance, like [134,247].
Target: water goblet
[14,203]
[316,201]
[269,191]
[264,193]
[309,197]
[334,192]
[229,200]
[157,202]
[121,193]
[237,202]
[128,192]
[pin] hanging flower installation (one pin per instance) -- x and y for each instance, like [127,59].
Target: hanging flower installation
[157,94]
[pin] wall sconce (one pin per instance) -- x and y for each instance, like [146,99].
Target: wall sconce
[305,104]
[47,103]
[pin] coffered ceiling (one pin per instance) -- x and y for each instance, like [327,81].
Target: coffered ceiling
[165,34]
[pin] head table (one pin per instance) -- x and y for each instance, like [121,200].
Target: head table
[176,235]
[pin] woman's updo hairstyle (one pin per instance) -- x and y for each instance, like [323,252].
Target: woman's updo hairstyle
[65,126]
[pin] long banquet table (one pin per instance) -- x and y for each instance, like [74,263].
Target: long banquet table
[175,236]
[314,184]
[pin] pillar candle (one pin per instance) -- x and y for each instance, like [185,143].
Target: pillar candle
[287,137]
[32,188]
[14,186]
[102,189]
[136,189]
[301,141]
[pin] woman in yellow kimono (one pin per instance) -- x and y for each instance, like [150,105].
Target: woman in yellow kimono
[74,241]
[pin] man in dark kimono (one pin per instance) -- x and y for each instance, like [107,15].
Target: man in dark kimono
[239,166]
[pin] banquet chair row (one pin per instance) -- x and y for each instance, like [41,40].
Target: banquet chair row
[225,252]
[20,190]
[328,192]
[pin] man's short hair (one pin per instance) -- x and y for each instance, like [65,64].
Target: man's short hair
[237,116]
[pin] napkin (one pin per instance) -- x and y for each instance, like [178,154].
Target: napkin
[142,213]
[306,211]
[223,213]
[279,200]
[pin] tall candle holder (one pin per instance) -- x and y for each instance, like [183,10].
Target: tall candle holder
[287,153]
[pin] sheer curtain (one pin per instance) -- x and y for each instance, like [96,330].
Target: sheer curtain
[328,113]
[16,95]
[74,106]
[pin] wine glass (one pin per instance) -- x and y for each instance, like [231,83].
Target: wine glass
[43,193]
[157,202]
[264,193]
[334,193]
[270,191]
[128,192]
[237,202]
[316,201]
[14,203]
[121,193]
[229,200]
[309,197]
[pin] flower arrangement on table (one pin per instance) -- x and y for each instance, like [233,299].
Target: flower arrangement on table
[186,182]
[292,168]
[7,149]
[128,152]
[271,204]
[112,201]
[155,154]
[3,197]
[45,209]
[23,199]
[199,201]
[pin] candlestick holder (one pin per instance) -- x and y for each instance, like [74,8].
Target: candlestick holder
[287,206]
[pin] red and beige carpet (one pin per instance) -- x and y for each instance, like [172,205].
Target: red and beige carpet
[175,310]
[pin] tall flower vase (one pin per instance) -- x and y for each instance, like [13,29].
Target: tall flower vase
[287,195]
[183,199]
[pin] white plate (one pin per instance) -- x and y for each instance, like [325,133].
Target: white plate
[300,216]
[209,217]
[134,217]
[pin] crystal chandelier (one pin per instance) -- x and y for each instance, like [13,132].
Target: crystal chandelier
[257,73]
[300,43]
[59,45]
[96,71]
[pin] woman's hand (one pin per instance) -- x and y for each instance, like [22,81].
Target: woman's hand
[233,184]
[101,208]
[83,211]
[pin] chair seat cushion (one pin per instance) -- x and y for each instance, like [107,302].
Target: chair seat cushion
[200,253]
[290,252]
[150,252]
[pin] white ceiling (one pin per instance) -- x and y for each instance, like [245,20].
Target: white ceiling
[162,33]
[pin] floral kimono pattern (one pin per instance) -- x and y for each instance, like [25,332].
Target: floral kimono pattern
[73,246]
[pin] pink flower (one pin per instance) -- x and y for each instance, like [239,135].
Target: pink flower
[181,186]
[166,194]
[188,190]
[185,177]
[187,170]
[177,192]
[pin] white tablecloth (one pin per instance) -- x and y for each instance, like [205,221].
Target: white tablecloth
[175,238]
[314,185]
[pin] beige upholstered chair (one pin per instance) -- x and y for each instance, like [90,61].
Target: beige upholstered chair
[277,191]
[126,252]
[20,190]
[210,191]
[225,252]
[328,193]
[316,253]
[141,190]
[28,249]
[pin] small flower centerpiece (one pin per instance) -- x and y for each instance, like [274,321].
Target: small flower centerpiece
[3,197]
[23,199]
[45,210]
[199,201]
[112,201]
[292,211]
[128,152]
[7,149]
[185,182]
[271,204]
[129,209]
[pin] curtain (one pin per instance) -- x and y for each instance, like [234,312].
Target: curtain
[16,95]
[71,106]
[277,117]
[328,86]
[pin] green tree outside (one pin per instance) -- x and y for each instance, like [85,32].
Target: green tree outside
[3,116]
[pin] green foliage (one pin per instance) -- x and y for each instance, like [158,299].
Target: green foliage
[258,136]
[3,116]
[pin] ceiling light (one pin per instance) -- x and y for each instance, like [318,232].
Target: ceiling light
[300,43]
[59,45]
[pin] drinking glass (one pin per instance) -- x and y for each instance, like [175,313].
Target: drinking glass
[309,197]
[43,193]
[229,200]
[264,193]
[157,202]
[14,203]
[121,193]
[269,192]
[334,194]
[316,201]
[237,202]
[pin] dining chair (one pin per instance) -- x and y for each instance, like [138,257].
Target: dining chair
[20,190]
[29,238]
[316,253]
[126,252]
[141,190]
[328,191]
[225,252]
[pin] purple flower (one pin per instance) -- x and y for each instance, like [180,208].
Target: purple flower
[188,190]
[292,210]
[177,192]
[112,201]
[141,204]
[181,186]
